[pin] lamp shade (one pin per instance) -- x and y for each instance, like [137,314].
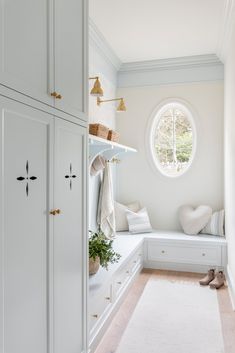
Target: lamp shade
[97,90]
[121,106]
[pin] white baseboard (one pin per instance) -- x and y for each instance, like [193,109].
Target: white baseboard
[231,286]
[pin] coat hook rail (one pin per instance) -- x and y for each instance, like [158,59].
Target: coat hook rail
[114,160]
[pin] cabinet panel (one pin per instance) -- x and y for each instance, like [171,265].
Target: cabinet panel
[69,237]
[70,56]
[24,43]
[25,231]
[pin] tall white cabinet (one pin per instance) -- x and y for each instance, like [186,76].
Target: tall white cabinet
[26,150]
[43,51]
[43,163]
[70,56]
[69,256]
[25,41]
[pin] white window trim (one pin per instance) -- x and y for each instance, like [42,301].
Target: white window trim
[151,126]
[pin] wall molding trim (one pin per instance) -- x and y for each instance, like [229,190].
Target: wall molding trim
[196,68]
[97,39]
[231,286]
[226,29]
[172,63]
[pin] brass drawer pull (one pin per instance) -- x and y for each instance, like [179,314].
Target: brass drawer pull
[55,212]
[107,298]
[95,316]
[119,282]
[56,95]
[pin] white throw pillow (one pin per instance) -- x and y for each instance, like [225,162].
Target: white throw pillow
[193,220]
[138,221]
[120,214]
[215,226]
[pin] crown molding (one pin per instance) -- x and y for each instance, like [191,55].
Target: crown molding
[102,45]
[198,68]
[226,29]
[171,64]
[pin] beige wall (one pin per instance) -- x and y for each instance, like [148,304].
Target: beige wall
[98,66]
[203,182]
[229,83]
[105,114]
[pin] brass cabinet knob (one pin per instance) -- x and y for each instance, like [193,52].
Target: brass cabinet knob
[95,316]
[55,212]
[163,251]
[107,298]
[56,95]
[119,282]
[203,254]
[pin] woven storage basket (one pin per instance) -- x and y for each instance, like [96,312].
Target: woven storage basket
[113,136]
[99,130]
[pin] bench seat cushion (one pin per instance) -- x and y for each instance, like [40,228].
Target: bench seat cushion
[177,236]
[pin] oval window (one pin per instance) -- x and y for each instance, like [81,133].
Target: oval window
[173,139]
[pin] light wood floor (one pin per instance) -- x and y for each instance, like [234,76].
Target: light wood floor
[113,335]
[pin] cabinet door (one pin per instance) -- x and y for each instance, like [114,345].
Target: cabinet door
[70,56]
[24,234]
[70,238]
[24,42]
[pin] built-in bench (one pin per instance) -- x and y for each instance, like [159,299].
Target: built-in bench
[107,288]
[181,252]
[158,250]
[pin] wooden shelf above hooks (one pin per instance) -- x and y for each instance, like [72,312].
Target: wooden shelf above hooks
[108,149]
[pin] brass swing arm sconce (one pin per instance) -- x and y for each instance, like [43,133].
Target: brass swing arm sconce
[121,106]
[97,90]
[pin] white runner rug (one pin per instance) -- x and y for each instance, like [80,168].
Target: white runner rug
[174,317]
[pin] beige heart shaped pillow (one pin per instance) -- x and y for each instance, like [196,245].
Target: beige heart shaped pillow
[193,220]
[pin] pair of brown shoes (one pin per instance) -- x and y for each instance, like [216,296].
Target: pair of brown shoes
[215,280]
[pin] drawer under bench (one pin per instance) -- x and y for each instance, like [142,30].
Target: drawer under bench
[181,252]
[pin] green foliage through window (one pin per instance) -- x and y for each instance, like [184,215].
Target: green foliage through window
[173,141]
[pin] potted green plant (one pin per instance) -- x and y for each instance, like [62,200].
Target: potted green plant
[101,252]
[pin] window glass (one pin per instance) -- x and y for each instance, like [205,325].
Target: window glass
[173,140]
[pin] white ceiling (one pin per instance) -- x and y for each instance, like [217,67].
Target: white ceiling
[139,30]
